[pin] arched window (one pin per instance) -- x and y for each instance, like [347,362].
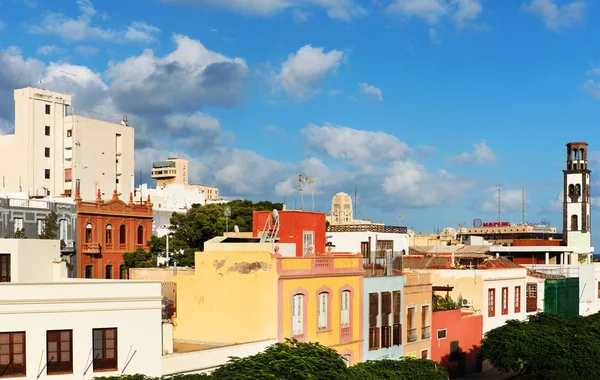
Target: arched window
[108,234]
[574,224]
[140,235]
[322,310]
[122,234]
[88,233]
[571,189]
[578,190]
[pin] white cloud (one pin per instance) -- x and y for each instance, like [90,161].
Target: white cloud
[141,32]
[592,84]
[49,50]
[276,130]
[410,184]
[556,17]
[511,200]
[336,9]
[303,72]
[86,51]
[6,127]
[371,91]
[327,180]
[481,155]
[354,145]
[301,16]
[434,11]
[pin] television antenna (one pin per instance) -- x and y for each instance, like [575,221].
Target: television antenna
[300,179]
[67,81]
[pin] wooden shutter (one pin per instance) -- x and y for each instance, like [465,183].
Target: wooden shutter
[373,309]
[397,306]
[517,299]
[397,334]
[386,303]
[386,336]
[491,302]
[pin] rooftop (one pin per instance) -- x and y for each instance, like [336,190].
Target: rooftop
[380,228]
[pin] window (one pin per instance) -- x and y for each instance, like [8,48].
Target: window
[322,310]
[345,309]
[397,332]
[504,301]
[531,295]
[59,351]
[123,272]
[386,310]
[491,302]
[17,224]
[105,349]
[63,229]
[373,313]
[410,325]
[425,328]
[12,354]
[5,268]
[47,109]
[88,271]
[122,234]
[297,314]
[517,299]
[69,133]
[108,233]
[382,246]
[47,173]
[40,226]
[365,251]
[68,175]
[47,130]
[140,235]
[442,334]
[46,152]
[574,224]
[109,271]
[424,354]
[88,233]
[308,240]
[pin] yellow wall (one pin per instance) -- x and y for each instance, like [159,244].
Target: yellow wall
[417,296]
[332,337]
[231,298]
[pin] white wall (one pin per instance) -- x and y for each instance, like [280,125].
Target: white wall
[208,360]
[350,241]
[498,279]
[31,259]
[133,307]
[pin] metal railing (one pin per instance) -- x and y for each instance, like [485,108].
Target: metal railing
[411,335]
[426,332]
[367,228]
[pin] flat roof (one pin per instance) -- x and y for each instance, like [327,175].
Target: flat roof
[532,249]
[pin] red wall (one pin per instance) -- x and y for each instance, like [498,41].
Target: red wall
[536,243]
[466,330]
[292,226]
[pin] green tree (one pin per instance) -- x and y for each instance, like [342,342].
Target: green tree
[443,303]
[139,259]
[20,234]
[50,227]
[408,369]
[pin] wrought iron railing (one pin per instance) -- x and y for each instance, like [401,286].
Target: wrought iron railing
[426,332]
[411,335]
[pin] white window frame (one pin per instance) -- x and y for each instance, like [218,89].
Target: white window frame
[322,316]
[18,224]
[445,334]
[308,240]
[345,309]
[298,314]
[63,228]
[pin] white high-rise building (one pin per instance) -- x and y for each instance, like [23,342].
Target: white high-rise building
[53,147]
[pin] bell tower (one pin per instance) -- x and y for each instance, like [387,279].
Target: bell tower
[576,201]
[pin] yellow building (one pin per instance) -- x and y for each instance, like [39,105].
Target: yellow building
[417,302]
[244,291]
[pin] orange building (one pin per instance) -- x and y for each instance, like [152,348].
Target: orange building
[106,230]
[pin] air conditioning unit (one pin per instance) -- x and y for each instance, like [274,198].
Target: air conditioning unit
[467,302]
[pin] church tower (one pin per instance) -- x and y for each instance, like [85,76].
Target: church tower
[576,202]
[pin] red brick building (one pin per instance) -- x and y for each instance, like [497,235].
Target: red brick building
[106,230]
[305,229]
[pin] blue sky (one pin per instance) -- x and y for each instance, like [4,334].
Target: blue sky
[426,106]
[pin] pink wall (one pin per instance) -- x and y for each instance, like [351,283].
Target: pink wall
[464,328]
[292,225]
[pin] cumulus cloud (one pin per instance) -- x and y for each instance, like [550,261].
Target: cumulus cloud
[336,9]
[300,16]
[86,51]
[481,155]
[358,146]
[17,71]
[303,72]
[370,91]
[49,50]
[84,27]
[557,16]
[434,11]
[591,86]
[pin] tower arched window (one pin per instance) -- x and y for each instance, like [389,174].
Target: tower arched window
[140,235]
[88,233]
[108,234]
[122,234]
[581,154]
[574,223]
[578,190]
[571,189]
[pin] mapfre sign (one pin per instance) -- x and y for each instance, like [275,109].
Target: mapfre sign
[496,224]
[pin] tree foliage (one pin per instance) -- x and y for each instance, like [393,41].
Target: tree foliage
[139,259]
[49,227]
[20,234]
[546,347]
[444,303]
[296,360]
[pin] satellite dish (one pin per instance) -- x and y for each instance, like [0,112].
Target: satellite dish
[275,214]
[236,229]
[477,223]
[545,222]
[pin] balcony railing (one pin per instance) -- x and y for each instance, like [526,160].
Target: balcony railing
[90,248]
[368,228]
[411,335]
[426,332]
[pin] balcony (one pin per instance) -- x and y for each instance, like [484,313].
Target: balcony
[411,335]
[426,332]
[91,248]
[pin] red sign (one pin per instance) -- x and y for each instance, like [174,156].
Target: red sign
[496,224]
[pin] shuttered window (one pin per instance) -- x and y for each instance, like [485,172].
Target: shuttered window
[397,327]
[373,329]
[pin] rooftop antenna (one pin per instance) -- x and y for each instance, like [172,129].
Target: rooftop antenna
[523,205]
[299,180]
[355,201]
[499,203]
[67,81]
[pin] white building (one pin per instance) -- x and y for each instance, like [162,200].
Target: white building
[59,328]
[367,238]
[172,197]
[51,149]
